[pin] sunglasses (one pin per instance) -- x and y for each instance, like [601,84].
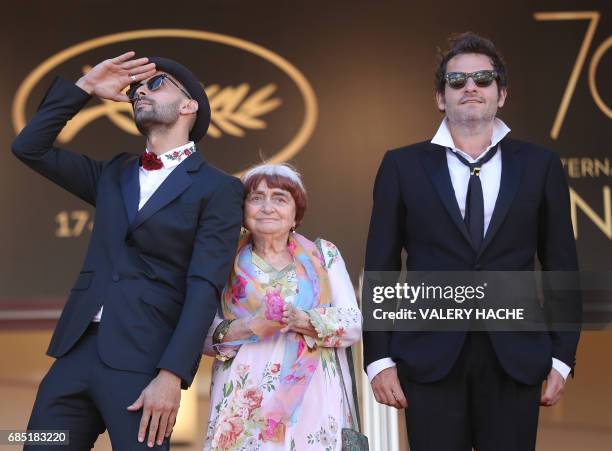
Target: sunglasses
[482,78]
[153,84]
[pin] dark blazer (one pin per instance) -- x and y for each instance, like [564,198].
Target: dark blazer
[415,209]
[158,271]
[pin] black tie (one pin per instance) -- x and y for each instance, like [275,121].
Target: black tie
[474,203]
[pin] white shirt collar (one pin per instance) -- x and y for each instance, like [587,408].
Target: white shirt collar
[444,138]
[173,157]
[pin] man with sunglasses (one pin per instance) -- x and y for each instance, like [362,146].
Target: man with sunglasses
[166,229]
[471,199]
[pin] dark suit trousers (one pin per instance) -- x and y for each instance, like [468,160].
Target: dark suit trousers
[84,396]
[476,405]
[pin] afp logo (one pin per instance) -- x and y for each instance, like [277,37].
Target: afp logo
[262,105]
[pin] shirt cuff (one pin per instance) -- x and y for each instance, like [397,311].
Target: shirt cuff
[377,366]
[560,367]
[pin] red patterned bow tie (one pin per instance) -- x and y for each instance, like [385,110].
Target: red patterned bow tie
[150,161]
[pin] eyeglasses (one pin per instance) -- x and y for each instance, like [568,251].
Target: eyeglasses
[482,78]
[153,84]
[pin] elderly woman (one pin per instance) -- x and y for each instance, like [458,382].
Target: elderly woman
[288,304]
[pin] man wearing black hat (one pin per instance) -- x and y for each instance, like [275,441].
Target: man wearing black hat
[166,229]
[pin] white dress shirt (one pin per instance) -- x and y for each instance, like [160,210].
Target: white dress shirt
[151,180]
[490,177]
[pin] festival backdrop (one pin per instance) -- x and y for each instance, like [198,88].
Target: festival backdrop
[328,86]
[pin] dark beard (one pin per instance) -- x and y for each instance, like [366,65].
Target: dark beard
[153,117]
[145,120]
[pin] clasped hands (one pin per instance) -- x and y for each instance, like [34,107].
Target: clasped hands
[293,320]
[297,321]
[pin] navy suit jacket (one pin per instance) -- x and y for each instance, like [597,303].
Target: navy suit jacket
[415,209]
[158,271]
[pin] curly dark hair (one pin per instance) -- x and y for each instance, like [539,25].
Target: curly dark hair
[470,43]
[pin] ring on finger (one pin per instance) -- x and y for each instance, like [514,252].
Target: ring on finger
[132,77]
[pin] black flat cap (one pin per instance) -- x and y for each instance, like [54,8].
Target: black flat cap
[193,87]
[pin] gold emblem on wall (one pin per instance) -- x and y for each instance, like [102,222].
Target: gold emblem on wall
[235,109]
[593,18]
[589,167]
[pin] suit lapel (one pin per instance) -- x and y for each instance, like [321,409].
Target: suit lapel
[173,186]
[434,161]
[513,165]
[130,188]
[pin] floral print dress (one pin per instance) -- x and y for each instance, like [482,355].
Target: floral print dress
[240,385]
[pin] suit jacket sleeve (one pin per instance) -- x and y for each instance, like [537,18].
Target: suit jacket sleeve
[212,258]
[557,252]
[384,246]
[76,173]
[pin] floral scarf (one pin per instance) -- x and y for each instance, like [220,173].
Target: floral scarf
[244,297]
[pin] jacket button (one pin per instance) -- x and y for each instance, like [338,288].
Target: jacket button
[115,277]
[129,240]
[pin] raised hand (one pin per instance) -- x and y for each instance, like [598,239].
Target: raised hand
[109,78]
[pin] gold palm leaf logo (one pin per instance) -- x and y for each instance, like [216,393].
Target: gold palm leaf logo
[233,110]
[236,110]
